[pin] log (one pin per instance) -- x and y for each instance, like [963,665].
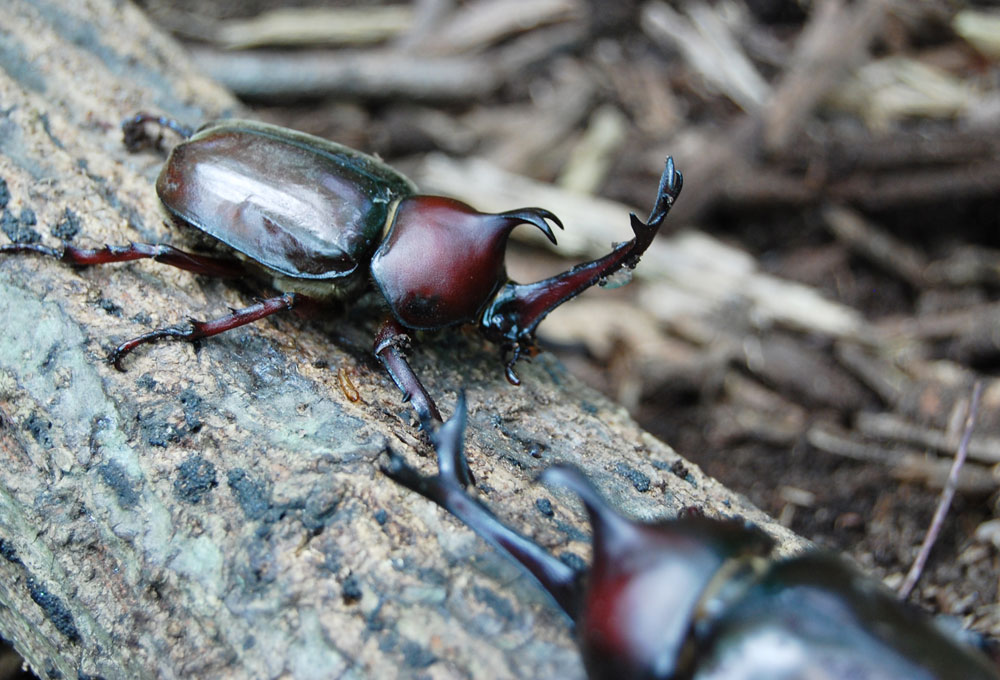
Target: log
[219,511]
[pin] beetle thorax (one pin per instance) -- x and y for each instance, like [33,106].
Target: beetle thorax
[441,261]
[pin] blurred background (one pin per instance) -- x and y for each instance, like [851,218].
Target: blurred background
[810,327]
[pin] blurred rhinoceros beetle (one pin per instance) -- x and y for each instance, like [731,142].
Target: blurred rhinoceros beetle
[322,221]
[697,598]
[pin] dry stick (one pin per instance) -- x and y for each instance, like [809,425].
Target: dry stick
[947,494]
[384,73]
[881,247]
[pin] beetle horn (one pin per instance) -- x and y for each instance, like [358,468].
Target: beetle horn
[540,217]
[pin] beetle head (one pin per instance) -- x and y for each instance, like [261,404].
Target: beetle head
[443,260]
[651,583]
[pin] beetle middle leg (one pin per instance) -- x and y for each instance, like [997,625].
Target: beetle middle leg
[389,343]
[448,490]
[196,330]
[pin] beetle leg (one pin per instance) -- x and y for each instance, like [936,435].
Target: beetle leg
[200,264]
[517,309]
[136,137]
[448,490]
[195,330]
[389,343]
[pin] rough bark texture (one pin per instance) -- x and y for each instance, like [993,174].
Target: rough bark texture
[219,511]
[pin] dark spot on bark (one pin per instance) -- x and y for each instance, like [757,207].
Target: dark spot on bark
[381,516]
[55,609]
[4,194]
[195,478]
[114,476]
[320,505]
[430,576]
[572,533]
[417,656]
[158,432]
[544,506]
[16,230]
[146,382]
[638,479]
[373,622]
[47,126]
[191,402]
[109,307]
[39,428]
[350,589]
[388,641]
[679,469]
[68,227]
[28,217]
[251,495]
[8,553]
[49,361]
[262,569]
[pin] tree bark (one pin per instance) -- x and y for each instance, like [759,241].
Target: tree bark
[218,510]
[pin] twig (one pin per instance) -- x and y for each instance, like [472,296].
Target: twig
[833,42]
[892,254]
[476,26]
[298,27]
[710,49]
[889,426]
[947,494]
[384,74]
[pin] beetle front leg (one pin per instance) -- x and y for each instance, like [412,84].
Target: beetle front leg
[389,343]
[196,330]
[447,489]
[511,318]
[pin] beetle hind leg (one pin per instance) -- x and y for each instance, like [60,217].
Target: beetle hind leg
[220,267]
[196,330]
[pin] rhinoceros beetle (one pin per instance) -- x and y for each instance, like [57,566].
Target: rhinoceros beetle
[699,599]
[322,221]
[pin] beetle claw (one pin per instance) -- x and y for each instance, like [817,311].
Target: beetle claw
[136,137]
[453,467]
[509,367]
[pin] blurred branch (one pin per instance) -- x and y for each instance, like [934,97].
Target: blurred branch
[384,74]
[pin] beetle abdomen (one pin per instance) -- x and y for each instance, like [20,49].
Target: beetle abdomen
[813,616]
[303,206]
